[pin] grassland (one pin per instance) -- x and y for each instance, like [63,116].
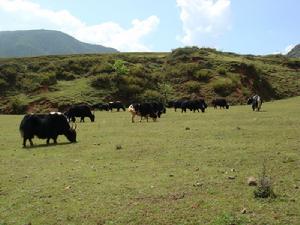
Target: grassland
[174,171]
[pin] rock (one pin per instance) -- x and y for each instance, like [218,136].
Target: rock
[252,181]
[68,187]
[244,211]
[198,184]
[296,186]
[231,177]
[232,170]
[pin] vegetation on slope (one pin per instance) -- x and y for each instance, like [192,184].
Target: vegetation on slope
[57,81]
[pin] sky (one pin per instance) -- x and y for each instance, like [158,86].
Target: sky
[243,26]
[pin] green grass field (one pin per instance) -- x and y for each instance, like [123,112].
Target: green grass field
[164,172]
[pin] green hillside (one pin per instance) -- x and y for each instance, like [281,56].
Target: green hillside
[44,42]
[41,83]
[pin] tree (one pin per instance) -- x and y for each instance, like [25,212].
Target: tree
[120,68]
[165,90]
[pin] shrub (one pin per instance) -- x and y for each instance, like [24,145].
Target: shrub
[187,69]
[223,86]
[102,68]
[203,75]
[221,71]
[9,73]
[151,95]
[184,51]
[192,86]
[103,80]
[48,79]
[264,188]
[17,107]
[138,71]
[3,85]
[120,67]
[44,68]
[64,75]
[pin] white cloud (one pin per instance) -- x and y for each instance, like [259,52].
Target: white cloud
[112,34]
[204,21]
[24,15]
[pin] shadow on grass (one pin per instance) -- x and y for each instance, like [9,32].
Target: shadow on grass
[48,145]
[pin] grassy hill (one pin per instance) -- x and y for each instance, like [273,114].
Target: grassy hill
[163,174]
[44,42]
[43,83]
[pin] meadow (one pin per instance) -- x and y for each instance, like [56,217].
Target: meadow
[184,169]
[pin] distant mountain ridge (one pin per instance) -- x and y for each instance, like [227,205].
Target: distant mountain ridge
[295,52]
[44,42]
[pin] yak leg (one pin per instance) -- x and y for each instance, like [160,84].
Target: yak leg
[30,141]
[24,142]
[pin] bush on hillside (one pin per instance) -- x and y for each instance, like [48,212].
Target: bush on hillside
[138,70]
[103,80]
[203,75]
[102,68]
[9,73]
[47,79]
[120,68]
[192,86]
[223,86]
[65,75]
[187,69]
[184,51]
[44,67]
[17,107]
[221,71]
[3,85]
[151,95]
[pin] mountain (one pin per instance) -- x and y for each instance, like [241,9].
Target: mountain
[295,52]
[44,42]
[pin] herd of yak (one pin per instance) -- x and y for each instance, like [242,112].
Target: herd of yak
[51,125]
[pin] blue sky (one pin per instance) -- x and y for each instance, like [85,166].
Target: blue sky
[242,26]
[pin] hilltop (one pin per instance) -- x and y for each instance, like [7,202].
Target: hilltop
[44,42]
[54,82]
